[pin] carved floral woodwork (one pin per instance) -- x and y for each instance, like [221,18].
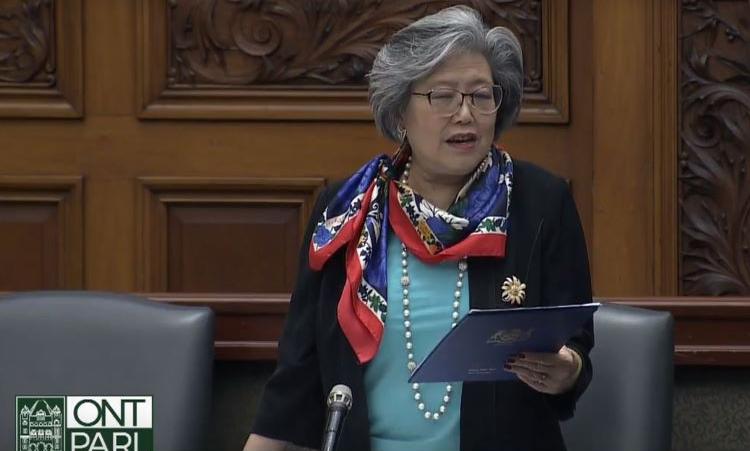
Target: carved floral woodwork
[715,145]
[227,42]
[41,58]
[308,59]
[27,51]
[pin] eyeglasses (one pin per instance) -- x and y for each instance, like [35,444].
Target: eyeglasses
[447,101]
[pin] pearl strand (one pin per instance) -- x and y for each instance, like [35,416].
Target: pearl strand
[411,364]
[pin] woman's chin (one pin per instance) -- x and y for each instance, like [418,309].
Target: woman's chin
[459,168]
[465,155]
[463,147]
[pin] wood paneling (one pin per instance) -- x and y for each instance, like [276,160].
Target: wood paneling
[118,152]
[222,235]
[715,148]
[551,104]
[247,326]
[665,122]
[708,331]
[109,49]
[28,239]
[634,148]
[41,71]
[285,60]
[41,233]
[231,247]
[162,195]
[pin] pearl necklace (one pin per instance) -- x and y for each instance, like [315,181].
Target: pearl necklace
[411,364]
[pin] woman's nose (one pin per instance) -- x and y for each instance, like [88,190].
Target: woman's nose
[464,113]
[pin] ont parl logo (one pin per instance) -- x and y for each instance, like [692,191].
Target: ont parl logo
[84,423]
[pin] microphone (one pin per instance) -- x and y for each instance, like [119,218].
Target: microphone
[339,403]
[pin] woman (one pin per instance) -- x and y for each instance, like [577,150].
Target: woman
[407,245]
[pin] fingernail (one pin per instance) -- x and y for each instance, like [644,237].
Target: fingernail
[523,356]
[506,366]
[511,361]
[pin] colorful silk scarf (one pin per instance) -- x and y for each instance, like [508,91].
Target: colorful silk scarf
[475,225]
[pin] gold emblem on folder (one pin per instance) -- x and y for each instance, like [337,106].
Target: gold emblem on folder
[514,292]
[506,337]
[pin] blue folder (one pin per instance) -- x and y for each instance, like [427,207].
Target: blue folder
[478,347]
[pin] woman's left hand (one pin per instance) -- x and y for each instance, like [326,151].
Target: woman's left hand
[547,372]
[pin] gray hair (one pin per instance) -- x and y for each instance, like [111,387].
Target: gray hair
[417,50]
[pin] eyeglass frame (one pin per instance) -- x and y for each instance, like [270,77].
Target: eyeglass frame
[429,93]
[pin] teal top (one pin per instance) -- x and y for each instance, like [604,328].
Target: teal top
[395,422]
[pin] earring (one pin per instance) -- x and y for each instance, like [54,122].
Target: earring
[401,134]
[403,146]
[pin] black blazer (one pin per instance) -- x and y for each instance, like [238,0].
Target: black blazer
[545,249]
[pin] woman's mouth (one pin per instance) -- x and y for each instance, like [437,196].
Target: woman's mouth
[464,141]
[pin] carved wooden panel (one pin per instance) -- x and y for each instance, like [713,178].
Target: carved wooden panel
[715,146]
[221,235]
[285,59]
[41,63]
[41,233]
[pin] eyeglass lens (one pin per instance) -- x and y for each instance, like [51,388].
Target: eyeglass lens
[448,101]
